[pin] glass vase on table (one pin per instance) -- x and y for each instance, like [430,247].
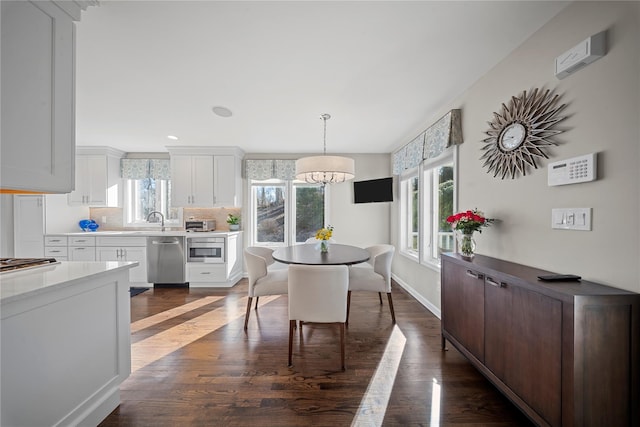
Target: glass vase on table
[466,243]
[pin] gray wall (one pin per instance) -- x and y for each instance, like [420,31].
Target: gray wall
[603,109]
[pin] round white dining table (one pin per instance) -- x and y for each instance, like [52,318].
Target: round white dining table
[309,254]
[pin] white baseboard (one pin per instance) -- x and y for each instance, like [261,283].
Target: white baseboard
[432,308]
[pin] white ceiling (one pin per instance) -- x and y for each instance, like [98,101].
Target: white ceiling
[382,69]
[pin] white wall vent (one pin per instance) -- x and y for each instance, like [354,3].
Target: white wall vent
[581,55]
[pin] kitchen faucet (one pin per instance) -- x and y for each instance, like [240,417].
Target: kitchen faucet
[158,213]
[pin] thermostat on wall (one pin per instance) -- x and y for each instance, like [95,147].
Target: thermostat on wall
[581,55]
[572,171]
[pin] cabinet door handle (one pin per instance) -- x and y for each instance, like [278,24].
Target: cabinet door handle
[205,272]
[492,282]
[475,275]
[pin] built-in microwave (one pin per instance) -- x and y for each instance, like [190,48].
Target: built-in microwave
[205,249]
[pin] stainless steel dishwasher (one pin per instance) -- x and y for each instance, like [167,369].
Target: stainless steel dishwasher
[165,260]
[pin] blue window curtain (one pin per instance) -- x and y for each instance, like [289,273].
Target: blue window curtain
[145,168]
[431,143]
[270,169]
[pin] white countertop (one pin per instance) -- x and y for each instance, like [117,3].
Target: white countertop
[16,285]
[145,233]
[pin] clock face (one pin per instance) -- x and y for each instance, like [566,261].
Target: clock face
[512,136]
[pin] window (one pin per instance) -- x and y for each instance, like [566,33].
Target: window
[147,195]
[427,198]
[410,213]
[285,212]
[438,192]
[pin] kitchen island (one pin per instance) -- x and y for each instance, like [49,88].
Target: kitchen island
[65,342]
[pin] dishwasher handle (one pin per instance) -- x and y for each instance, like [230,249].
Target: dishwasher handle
[156,242]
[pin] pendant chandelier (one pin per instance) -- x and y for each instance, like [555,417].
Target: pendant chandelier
[325,169]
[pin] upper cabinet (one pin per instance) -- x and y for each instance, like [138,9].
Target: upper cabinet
[227,180]
[192,180]
[98,180]
[38,116]
[206,177]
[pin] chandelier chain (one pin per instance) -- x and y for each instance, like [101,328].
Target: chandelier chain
[324,118]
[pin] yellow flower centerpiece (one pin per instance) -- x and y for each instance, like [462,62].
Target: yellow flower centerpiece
[324,234]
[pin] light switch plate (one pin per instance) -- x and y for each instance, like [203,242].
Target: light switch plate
[571,219]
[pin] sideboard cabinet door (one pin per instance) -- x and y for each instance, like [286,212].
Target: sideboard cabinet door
[463,298]
[523,344]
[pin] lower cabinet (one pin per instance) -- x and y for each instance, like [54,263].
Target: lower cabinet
[82,248]
[566,353]
[219,275]
[125,249]
[201,274]
[28,226]
[55,246]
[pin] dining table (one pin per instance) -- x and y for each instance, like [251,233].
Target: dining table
[310,254]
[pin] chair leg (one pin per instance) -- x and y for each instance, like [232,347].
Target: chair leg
[257,298]
[246,316]
[348,307]
[342,345]
[393,313]
[380,297]
[292,324]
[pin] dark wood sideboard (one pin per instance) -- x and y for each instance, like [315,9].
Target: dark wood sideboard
[566,353]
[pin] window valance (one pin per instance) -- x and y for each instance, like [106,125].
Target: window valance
[270,169]
[431,143]
[145,168]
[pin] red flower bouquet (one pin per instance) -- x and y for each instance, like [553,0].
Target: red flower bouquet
[469,221]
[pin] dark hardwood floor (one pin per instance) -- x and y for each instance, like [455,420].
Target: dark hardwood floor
[194,365]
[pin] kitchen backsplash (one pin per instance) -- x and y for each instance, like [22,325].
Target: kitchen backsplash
[114,217]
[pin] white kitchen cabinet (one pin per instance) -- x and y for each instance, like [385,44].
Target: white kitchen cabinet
[82,248]
[97,181]
[192,181]
[227,181]
[124,249]
[220,275]
[55,246]
[206,176]
[37,109]
[206,274]
[28,226]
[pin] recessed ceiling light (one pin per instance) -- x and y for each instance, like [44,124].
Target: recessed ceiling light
[175,138]
[222,111]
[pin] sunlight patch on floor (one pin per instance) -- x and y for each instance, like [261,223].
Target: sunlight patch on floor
[158,346]
[435,404]
[170,314]
[374,403]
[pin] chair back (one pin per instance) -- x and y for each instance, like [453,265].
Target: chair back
[318,293]
[381,257]
[256,263]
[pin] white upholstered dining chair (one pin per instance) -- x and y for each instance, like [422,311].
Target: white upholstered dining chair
[266,276]
[318,294]
[373,276]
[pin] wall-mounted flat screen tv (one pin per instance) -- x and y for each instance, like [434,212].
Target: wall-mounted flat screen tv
[373,190]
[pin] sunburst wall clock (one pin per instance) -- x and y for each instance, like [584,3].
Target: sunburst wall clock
[519,133]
